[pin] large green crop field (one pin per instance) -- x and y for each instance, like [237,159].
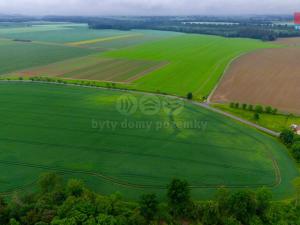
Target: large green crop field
[16,55]
[25,48]
[69,33]
[80,133]
[196,62]
[192,63]
[58,34]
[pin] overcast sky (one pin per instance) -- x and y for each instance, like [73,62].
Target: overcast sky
[148,7]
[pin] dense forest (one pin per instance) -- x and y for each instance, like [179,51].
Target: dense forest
[56,202]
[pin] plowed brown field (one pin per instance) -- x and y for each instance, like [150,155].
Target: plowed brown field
[289,41]
[267,77]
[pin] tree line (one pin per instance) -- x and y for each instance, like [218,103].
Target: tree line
[56,202]
[241,28]
[256,27]
[292,142]
[257,109]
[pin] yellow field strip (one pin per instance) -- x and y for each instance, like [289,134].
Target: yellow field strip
[50,43]
[103,39]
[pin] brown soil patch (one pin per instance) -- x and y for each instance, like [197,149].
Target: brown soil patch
[292,42]
[267,77]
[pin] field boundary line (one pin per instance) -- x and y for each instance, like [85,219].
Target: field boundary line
[224,74]
[56,44]
[104,39]
[212,73]
[227,69]
[147,71]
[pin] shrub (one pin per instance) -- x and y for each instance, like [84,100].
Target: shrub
[231,105]
[242,205]
[268,109]
[148,206]
[13,222]
[190,96]
[274,111]
[75,187]
[49,182]
[296,151]
[256,116]
[244,106]
[287,137]
[179,200]
[237,105]
[259,109]
[250,107]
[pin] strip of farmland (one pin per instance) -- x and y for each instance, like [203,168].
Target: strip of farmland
[267,77]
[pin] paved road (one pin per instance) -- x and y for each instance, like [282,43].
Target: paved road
[203,105]
[268,131]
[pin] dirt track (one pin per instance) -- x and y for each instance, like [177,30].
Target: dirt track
[267,77]
[292,42]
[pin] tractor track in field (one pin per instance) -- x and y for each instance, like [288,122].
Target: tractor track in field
[119,182]
[276,168]
[170,158]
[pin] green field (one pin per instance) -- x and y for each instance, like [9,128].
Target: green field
[196,62]
[69,33]
[277,122]
[52,127]
[60,48]
[57,128]
[192,63]
[16,56]
[62,35]
[141,37]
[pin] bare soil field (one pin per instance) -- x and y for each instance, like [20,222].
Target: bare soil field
[289,41]
[267,77]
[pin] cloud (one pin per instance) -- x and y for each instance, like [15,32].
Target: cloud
[148,7]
